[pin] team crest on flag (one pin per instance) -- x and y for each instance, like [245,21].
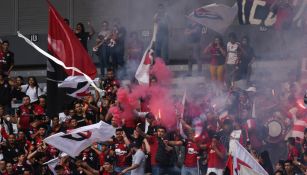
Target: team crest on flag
[203,13]
[75,141]
[241,161]
[142,73]
[78,136]
[217,17]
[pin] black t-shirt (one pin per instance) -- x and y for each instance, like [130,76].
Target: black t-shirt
[80,119]
[224,138]
[163,22]
[136,140]
[20,169]
[90,157]
[151,129]
[6,61]
[163,157]
[83,38]
[246,58]
[91,115]
[121,39]
[18,94]
[10,153]
[38,168]
[5,94]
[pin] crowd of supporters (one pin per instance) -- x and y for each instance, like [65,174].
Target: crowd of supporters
[142,145]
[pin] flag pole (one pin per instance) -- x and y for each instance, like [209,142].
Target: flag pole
[179,125]
[198,166]
[58,61]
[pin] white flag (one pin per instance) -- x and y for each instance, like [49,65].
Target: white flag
[52,164]
[142,73]
[75,141]
[244,170]
[217,17]
[183,105]
[242,157]
[72,81]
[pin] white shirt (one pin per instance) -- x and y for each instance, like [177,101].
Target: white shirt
[63,117]
[104,33]
[146,126]
[139,159]
[236,134]
[232,53]
[31,92]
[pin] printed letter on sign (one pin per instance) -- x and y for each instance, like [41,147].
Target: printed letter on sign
[252,18]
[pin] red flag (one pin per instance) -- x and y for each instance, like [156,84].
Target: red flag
[229,166]
[63,43]
[217,17]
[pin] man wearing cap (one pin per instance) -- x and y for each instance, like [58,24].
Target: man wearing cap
[138,160]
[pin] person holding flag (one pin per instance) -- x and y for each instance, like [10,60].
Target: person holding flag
[192,151]
[68,55]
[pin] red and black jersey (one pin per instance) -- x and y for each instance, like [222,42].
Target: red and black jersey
[40,112]
[191,153]
[121,152]
[103,156]
[26,114]
[24,143]
[214,161]
[52,152]
[20,169]
[6,61]
[11,152]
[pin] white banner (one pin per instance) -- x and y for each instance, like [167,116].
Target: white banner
[242,157]
[217,17]
[75,141]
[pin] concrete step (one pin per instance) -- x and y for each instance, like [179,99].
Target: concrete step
[42,72]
